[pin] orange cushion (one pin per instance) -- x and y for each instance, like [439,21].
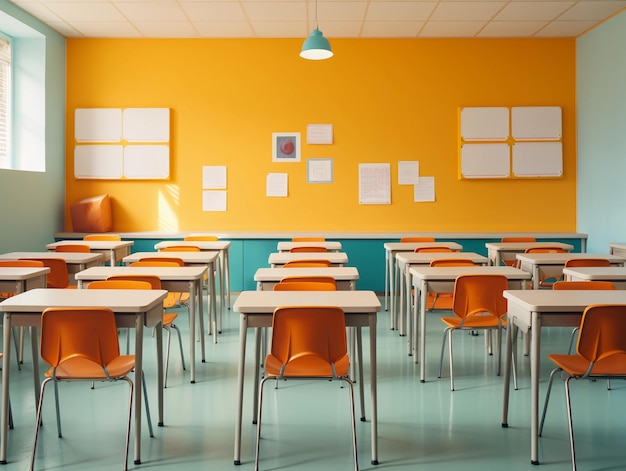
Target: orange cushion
[92,214]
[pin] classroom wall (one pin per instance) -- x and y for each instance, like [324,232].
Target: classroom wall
[32,203]
[389,100]
[601,75]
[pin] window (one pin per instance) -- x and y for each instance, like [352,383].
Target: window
[5,103]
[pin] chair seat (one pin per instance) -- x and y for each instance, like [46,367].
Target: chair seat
[169,318]
[575,365]
[473,322]
[81,368]
[306,366]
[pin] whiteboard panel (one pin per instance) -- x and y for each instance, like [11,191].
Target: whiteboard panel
[147,124]
[98,124]
[146,162]
[485,161]
[536,122]
[485,123]
[98,161]
[538,159]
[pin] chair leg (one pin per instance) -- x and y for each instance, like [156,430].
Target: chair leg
[572,339]
[58,407]
[38,422]
[130,413]
[545,404]
[353,415]
[451,360]
[258,424]
[145,399]
[17,347]
[443,349]
[167,354]
[569,421]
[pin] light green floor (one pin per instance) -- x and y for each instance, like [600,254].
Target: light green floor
[306,425]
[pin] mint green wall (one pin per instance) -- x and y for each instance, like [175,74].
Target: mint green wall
[601,102]
[32,203]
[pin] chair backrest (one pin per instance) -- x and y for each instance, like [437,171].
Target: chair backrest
[433,249]
[518,239]
[102,237]
[310,341]
[314,278]
[59,276]
[452,262]
[308,239]
[480,294]
[417,239]
[587,262]
[602,335]
[173,260]
[155,281]
[565,285]
[307,264]
[545,250]
[180,248]
[82,248]
[120,284]
[206,238]
[155,263]
[21,263]
[308,249]
[88,333]
[305,286]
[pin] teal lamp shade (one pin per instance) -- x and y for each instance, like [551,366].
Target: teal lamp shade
[316,47]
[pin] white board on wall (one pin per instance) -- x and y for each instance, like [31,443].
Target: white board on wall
[98,124]
[145,162]
[534,123]
[98,161]
[538,159]
[485,123]
[146,124]
[485,160]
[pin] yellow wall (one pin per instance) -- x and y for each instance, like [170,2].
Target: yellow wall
[388,99]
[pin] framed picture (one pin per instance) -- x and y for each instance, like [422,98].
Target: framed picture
[286,147]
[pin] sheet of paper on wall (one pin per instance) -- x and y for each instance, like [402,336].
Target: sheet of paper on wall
[276,184]
[319,133]
[424,191]
[213,200]
[408,172]
[214,176]
[319,170]
[374,184]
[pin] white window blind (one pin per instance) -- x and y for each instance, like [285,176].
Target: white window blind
[5,102]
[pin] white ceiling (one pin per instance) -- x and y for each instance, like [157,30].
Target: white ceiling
[336,18]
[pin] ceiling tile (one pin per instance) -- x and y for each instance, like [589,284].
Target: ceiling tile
[596,10]
[218,29]
[173,29]
[452,29]
[214,11]
[511,29]
[87,11]
[391,29]
[151,11]
[464,11]
[532,11]
[106,29]
[559,29]
[399,11]
[275,11]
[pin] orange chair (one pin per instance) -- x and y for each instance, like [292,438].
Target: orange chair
[58,277]
[574,285]
[545,281]
[600,354]
[209,238]
[433,249]
[308,239]
[446,297]
[180,248]
[308,249]
[479,305]
[587,262]
[80,344]
[314,278]
[304,286]
[81,248]
[118,282]
[417,239]
[513,261]
[174,299]
[307,264]
[102,237]
[307,343]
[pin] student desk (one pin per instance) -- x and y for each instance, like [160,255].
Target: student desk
[404,261]
[345,277]
[391,248]
[277,259]
[20,279]
[441,280]
[222,246]
[328,245]
[178,279]
[530,310]
[499,251]
[551,264]
[115,249]
[204,258]
[256,309]
[132,308]
[76,261]
[616,275]
[616,248]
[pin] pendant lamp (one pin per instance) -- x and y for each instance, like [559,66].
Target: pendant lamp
[316,46]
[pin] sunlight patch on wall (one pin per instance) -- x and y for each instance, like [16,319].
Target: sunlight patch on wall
[169,202]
